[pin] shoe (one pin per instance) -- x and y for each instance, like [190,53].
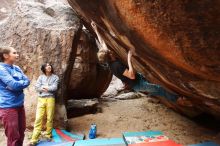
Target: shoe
[46,139]
[49,139]
[32,144]
[182,101]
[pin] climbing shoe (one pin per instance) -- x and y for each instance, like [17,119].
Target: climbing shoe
[182,101]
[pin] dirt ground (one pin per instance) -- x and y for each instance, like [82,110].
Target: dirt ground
[141,115]
[3,141]
[118,116]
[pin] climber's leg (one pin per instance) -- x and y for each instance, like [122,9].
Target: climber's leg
[153,89]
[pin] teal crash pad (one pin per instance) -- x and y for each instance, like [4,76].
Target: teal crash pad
[55,143]
[62,138]
[145,133]
[101,142]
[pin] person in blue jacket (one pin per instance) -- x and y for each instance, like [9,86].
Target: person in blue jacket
[12,83]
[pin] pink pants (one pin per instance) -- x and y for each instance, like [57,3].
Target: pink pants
[14,123]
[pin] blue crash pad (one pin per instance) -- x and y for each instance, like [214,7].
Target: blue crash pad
[101,142]
[55,143]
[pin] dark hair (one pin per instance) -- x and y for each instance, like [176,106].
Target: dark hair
[4,50]
[43,68]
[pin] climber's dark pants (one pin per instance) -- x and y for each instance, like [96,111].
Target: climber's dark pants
[156,90]
[13,120]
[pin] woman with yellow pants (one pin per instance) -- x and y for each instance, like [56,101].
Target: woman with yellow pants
[46,86]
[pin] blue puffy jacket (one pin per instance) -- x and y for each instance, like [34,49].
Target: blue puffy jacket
[12,83]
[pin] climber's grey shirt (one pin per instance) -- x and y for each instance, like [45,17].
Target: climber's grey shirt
[51,82]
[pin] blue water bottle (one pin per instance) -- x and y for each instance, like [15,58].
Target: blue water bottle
[93,131]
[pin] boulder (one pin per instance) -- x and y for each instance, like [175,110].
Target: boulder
[114,88]
[129,95]
[79,107]
[49,31]
[176,42]
[88,79]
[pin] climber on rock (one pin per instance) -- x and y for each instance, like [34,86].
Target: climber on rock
[46,86]
[128,76]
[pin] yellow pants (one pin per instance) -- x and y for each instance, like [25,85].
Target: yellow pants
[46,106]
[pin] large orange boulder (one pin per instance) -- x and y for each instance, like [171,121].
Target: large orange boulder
[176,42]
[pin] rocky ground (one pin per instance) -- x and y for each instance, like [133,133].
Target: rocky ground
[135,112]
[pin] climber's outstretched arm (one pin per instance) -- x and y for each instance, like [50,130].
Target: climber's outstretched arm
[129,73]
[100,39]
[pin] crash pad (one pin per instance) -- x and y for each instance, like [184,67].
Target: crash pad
[144,133]
[159,143]
[44,143]
[209,143]
[147,138]
[63,135]
[62,138]
[101,142]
